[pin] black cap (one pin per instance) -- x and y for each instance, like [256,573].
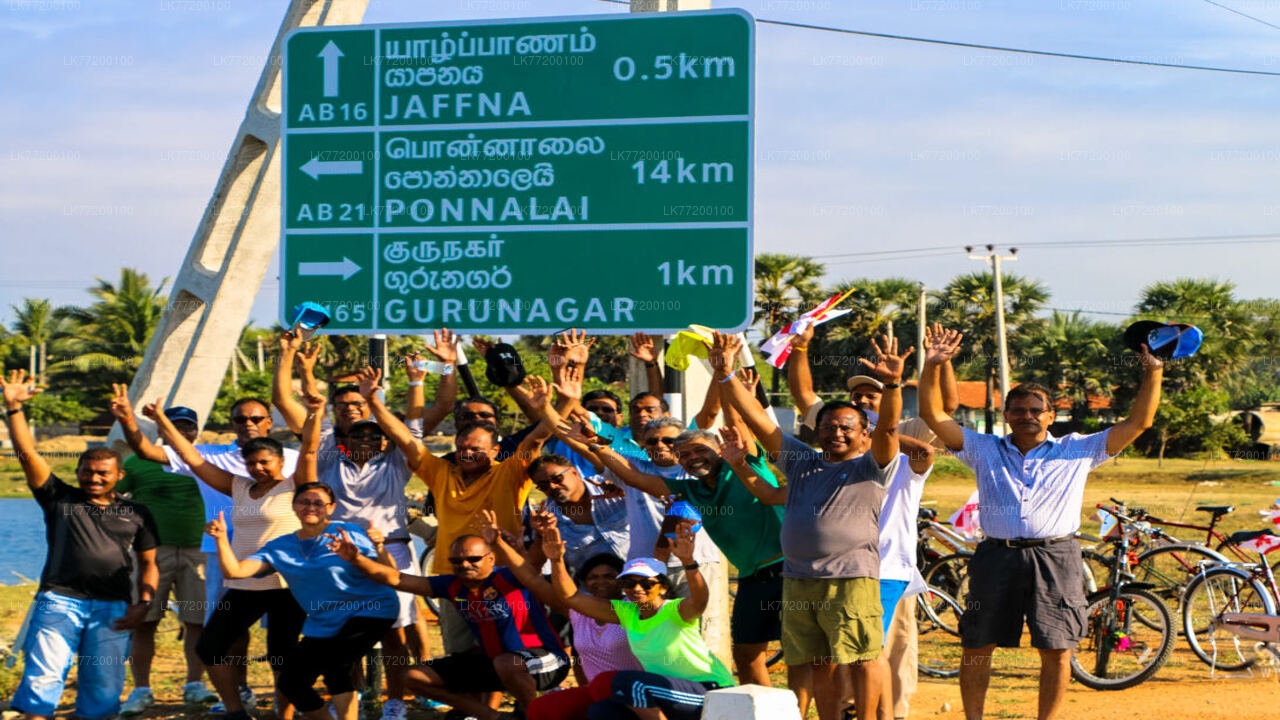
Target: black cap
[1165,340]
[503,366]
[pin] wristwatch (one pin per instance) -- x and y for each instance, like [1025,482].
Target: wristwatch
[892,386]
[691,566]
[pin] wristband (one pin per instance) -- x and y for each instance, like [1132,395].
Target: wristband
[801,348]
[15,411]
[691,566]
[892,386]
[728,377]
[415,383]
[651,364]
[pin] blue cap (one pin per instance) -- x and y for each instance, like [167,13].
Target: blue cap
[644,567]
[308,317]
[683,510]
[177,413]
[1166,340]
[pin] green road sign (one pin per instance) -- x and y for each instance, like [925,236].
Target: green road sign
[521,175]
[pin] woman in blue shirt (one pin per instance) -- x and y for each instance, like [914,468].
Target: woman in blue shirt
[347,613]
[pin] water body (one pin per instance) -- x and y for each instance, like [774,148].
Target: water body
[22,540]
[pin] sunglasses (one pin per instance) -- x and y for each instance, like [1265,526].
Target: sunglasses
[468,414]
[605,408]
[244,419]
[553,479]
[632,581]
[473,559]
[365,437]
[669,442]
[833,427]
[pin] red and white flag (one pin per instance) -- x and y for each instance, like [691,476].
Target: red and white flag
[966,519]
[1261,544]
[778,347]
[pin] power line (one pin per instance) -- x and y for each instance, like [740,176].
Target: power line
[999,48]
[1065,244]
[1244,15]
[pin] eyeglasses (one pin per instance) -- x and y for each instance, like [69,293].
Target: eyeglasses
[836,427]
[354,404]
[243,419]
[481,414]
[471,559]
[554,479]
[1026,411]
[633,581]
[602,409]
[366,437]
[668,441]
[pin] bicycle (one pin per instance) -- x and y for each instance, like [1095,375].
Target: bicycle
[1226,544]
[949,570]
[938,633]
[1214,599]
[1130,633]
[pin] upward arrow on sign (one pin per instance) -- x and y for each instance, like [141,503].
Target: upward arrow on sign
[330,55]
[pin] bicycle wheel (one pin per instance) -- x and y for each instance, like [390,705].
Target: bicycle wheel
[1119,650]
[1219,590]
[938,632]
[1169,569]
[950,574]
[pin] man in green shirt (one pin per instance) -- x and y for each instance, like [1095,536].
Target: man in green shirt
[175,502]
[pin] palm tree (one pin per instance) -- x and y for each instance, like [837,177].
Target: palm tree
[1228,326]
[1070,356]
[967,304]
[786,285]
[114,331]
[38,324]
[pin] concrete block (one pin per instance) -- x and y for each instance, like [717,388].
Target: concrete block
[747,702]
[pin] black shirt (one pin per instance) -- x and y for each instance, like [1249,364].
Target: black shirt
[91,547]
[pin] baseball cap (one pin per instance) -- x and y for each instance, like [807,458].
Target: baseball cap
[644,567]
[1166,340]
[308,317]
[178,412]
[857,380]
[503,366]
[680,510]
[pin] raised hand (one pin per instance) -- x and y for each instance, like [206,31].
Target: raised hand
[570,383]
[538,390]
[482,345]
[579,432]
[153,411]
[642,348]
[18,389]
[217,527]
[542,519]
[889,364]
[552,545]
[724,352]
[307,358]
[805,336]
[611,489]
[411,369]
[315,403]
[1149,361]
[343,546]
[487,525]
[289,342]
[445,348]
[375,535]
[577,346]
[750,378]
[732,448]
[683,547]
[121,408]
[940,344]
[369,379]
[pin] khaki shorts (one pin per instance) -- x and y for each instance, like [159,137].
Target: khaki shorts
[182,573]
[831,620]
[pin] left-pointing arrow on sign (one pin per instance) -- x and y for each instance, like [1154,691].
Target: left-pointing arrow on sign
[346,268]
[315,167]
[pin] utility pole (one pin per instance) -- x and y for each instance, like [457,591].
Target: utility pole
[994,259]
[920,321]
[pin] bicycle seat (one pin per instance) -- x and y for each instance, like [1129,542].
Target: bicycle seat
[1217,510]
[1243,536]
[928,514]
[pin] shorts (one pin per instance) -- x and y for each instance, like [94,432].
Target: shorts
[402,553]
[182,572]
[473,672]
[757,611]
[237,611]
[1043,585]
[64,631]
[890,593]
[831,620]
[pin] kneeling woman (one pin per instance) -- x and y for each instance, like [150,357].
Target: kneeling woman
[346,612]
[663,634]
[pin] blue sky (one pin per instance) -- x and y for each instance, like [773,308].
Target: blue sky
[117,116]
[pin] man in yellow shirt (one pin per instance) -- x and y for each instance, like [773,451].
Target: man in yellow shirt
[477,482]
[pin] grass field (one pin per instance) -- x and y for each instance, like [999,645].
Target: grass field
[1182,690]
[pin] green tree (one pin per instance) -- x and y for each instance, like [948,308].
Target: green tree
[967,303]
[786,285]
[1196,419]
[875,304]
[1070,356]
[38,323]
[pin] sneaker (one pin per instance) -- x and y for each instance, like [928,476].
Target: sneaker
[138,702]
[394,710]
[248,698]
[429,704]
[197,693]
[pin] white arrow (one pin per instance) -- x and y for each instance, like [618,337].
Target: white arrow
[330,54]
[346,268]
[316,167]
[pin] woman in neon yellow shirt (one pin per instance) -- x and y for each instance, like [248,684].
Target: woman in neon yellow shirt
[679,669]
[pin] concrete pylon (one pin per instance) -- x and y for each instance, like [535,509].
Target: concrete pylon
[222,272]
[669,5]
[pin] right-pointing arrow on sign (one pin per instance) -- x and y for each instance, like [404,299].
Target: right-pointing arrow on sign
[346,268]
[316,167]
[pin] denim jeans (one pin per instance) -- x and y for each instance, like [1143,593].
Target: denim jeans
[63,627]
